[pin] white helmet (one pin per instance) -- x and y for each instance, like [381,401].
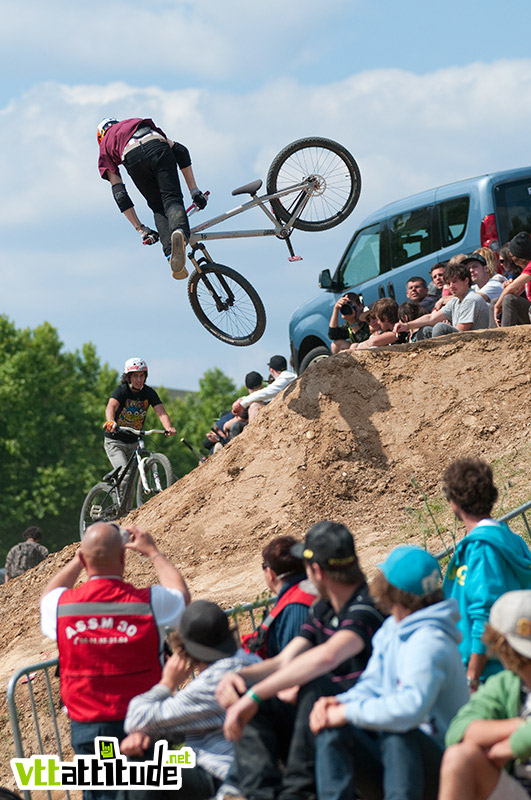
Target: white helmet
[135,365]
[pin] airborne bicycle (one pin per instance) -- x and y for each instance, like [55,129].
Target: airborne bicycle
[313,184]
[113,497]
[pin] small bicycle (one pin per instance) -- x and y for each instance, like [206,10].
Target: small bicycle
[313,184]
[113,496]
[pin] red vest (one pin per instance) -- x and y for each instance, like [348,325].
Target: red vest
[257,642]
[108,648]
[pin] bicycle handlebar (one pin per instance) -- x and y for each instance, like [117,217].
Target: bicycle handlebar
[139,433]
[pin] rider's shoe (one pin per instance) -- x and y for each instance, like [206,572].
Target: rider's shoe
[178,255]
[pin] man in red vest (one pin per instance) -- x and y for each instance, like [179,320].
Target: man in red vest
[109,633]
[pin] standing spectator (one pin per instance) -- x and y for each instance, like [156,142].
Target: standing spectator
[26,554]
[282,377]
[436,285]
[394,718]
[204,647]
[417,290]
[488,287]
[492,730]
[489,561]
[122,657]
[151,159]
[327,657]
[353,330]
[465,311]
[511,308]
[285,576]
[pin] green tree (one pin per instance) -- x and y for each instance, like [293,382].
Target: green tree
[50,444]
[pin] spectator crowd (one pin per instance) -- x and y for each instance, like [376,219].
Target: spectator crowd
[407,687]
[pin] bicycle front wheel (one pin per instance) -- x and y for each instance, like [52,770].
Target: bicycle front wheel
[159,475]
[332,172]
[100,505]
[226,304]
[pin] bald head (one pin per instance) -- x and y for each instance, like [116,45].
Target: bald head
[102,549]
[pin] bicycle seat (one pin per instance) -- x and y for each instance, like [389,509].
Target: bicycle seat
[112,475]
[249,188]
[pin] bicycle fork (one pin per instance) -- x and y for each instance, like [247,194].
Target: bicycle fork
[221,305]
[143,477]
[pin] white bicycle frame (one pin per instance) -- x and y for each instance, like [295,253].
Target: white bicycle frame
[140,460]
[280,229]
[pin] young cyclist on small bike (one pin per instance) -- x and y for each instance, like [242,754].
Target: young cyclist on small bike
[128,406]
[151,159]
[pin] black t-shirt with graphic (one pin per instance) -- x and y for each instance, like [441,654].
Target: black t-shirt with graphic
[132,410]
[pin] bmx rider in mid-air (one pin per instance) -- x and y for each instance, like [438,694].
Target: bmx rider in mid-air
[151,159]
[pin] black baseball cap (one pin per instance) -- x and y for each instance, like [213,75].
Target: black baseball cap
[475,257]
[253,380]
[329,544]
[205,632]
[278,363]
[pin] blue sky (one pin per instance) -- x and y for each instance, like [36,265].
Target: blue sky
[421,95]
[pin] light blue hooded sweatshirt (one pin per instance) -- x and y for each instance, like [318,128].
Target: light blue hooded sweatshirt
[415,677]
[488,562]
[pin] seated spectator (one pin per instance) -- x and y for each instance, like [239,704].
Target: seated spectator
[26,554]
[488,287]
[384,313]
[465,311]
[282,377]
[493,262]
[204,645]
[511,270]
[217,438]
[492,730]
[511,308]
[253,383]
[353,330]
[407,311]
[417,290]
[328,656]
[436,285]
[489,561]
[385,735]
[285,576]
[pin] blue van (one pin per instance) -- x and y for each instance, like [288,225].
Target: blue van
[404,239]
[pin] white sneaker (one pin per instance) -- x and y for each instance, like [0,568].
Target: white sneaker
[178,255]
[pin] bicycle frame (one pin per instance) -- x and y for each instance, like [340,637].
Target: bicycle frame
[280,229]
[128,473]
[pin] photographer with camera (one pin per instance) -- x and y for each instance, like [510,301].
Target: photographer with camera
[354,330]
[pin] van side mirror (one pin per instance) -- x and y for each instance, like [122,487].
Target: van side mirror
[325,279]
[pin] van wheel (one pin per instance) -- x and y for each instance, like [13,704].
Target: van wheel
[317,354]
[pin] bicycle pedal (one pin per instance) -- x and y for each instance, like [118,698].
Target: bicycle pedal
[294,258]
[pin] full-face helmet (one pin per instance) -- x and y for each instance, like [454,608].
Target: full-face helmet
[104,126]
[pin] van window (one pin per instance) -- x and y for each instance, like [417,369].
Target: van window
[411,236]
[513,206]
[453,215]
[362,259]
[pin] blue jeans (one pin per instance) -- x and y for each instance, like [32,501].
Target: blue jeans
[352,762]
[153,168]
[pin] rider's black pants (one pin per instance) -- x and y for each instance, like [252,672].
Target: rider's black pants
[153,169]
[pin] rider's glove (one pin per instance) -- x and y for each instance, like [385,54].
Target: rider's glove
[109,426]
[200,199]
[148,236]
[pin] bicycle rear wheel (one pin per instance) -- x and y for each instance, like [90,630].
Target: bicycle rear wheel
[100,505]
[331,170]
[159,475]
[226,304]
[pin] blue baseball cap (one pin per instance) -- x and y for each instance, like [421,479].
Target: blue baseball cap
[412,569]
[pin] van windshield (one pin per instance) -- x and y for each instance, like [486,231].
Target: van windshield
[513,208]
[362,259]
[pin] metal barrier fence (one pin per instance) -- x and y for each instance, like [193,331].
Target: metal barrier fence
[47,667]
[248,609]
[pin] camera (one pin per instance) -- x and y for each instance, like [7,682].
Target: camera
[124,533]
[346,309]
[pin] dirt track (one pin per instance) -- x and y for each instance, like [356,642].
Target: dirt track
[341,443]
